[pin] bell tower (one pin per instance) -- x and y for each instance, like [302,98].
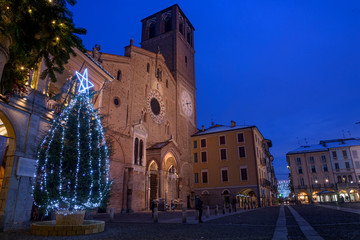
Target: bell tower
[170,32]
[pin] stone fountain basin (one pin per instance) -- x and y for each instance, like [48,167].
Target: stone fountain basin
[49,228]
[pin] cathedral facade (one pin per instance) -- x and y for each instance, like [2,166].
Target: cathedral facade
[150,113]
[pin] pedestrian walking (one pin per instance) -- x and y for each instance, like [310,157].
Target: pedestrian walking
[199,207]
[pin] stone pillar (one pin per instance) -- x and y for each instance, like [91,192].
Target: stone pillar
[156,215]
[216,210]
[111,214]
[207,214]
[183,214]
[160,185]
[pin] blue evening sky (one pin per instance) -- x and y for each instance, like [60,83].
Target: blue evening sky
[292,68]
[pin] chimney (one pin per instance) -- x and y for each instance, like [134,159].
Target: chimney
[212,123]
[233,124]
[202,127]
[323,143]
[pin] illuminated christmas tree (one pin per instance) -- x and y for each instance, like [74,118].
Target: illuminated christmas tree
[73,159]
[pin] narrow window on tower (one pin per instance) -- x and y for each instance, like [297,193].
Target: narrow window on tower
[167,23]
[186,60]
[189,38]
[136,150]
[148,67]
[118,77]
[152,30]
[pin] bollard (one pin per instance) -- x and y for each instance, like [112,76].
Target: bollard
[197,215]
[184,215]
[207,214]
[156,215]
[111,214]
[216,210]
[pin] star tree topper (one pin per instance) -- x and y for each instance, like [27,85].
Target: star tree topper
[84,81]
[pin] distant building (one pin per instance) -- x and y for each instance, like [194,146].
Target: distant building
[233,163]
[325,172]
[284,188]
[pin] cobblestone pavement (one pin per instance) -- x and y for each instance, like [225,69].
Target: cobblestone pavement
[331,223]
[244,224]
[354,205]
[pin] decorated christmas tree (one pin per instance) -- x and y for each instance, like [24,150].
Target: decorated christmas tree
[73,159]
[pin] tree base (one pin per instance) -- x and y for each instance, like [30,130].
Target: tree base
[50,228]
[74,218]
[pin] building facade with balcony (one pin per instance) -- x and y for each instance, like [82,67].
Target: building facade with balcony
[324,172]
[233,163]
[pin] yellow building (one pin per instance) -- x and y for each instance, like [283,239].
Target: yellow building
[233,162]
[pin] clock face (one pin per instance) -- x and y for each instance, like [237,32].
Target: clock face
[186,103]
[155,106]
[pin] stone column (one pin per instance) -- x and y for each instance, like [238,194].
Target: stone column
[147,189]
[160,180]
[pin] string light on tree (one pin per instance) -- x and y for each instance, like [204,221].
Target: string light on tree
[73,159]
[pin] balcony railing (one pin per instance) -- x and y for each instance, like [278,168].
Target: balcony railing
[329,185]
[302,186]
[354,184]
[316,186]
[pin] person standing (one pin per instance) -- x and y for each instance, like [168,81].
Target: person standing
[200,208]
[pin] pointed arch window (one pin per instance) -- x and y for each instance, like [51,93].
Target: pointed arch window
[141,152]
[167,23]
[152,30]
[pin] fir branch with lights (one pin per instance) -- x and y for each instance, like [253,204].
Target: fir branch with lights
[40,30]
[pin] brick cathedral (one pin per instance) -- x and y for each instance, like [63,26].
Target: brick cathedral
[150,114]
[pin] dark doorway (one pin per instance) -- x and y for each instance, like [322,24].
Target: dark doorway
[153,187]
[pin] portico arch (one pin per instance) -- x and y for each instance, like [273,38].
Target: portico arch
[247,198]
[303,197]
[7,152]
[152,182]
[170,176]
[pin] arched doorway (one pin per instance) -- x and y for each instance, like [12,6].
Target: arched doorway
[7,152]
[315,196]
[171,180]
[226,197]
[354,195]
[344,197]
[153,181]
[303,197]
